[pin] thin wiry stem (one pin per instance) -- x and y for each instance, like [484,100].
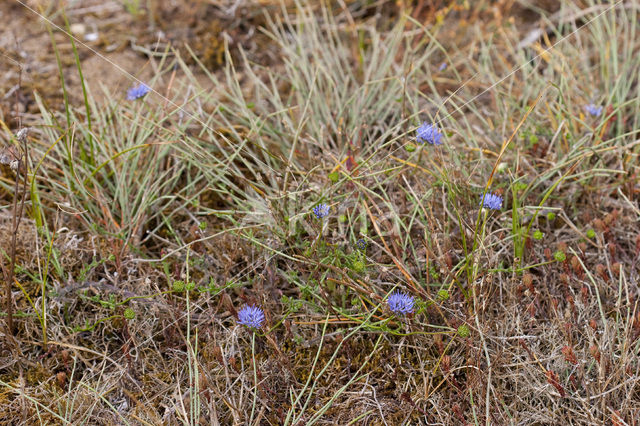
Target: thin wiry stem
[16,214]
[255,375]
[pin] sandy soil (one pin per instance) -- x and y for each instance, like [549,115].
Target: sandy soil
[112,42]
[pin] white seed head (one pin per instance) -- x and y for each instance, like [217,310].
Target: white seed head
[22,134]
[4,158]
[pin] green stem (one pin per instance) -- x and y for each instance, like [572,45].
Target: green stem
[255,376]
[98,322]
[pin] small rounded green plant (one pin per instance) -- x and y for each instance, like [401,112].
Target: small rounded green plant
[129,314]
[463,331]
[358,266]
[178,286]
[443,295]
[560,256]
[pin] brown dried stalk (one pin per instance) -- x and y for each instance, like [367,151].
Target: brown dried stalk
[18,163]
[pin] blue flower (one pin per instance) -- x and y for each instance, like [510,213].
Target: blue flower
[400,303]
[442,67]
[429,133]
[362,244]
[594,110]
[321,210]
[491,201]
[251,316]
[138,91]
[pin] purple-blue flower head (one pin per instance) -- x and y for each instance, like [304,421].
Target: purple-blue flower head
[491,202]
[321,210]
[594,110]
[361,243]
[429,133]
[137,91]
[251,316]
[400,303]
